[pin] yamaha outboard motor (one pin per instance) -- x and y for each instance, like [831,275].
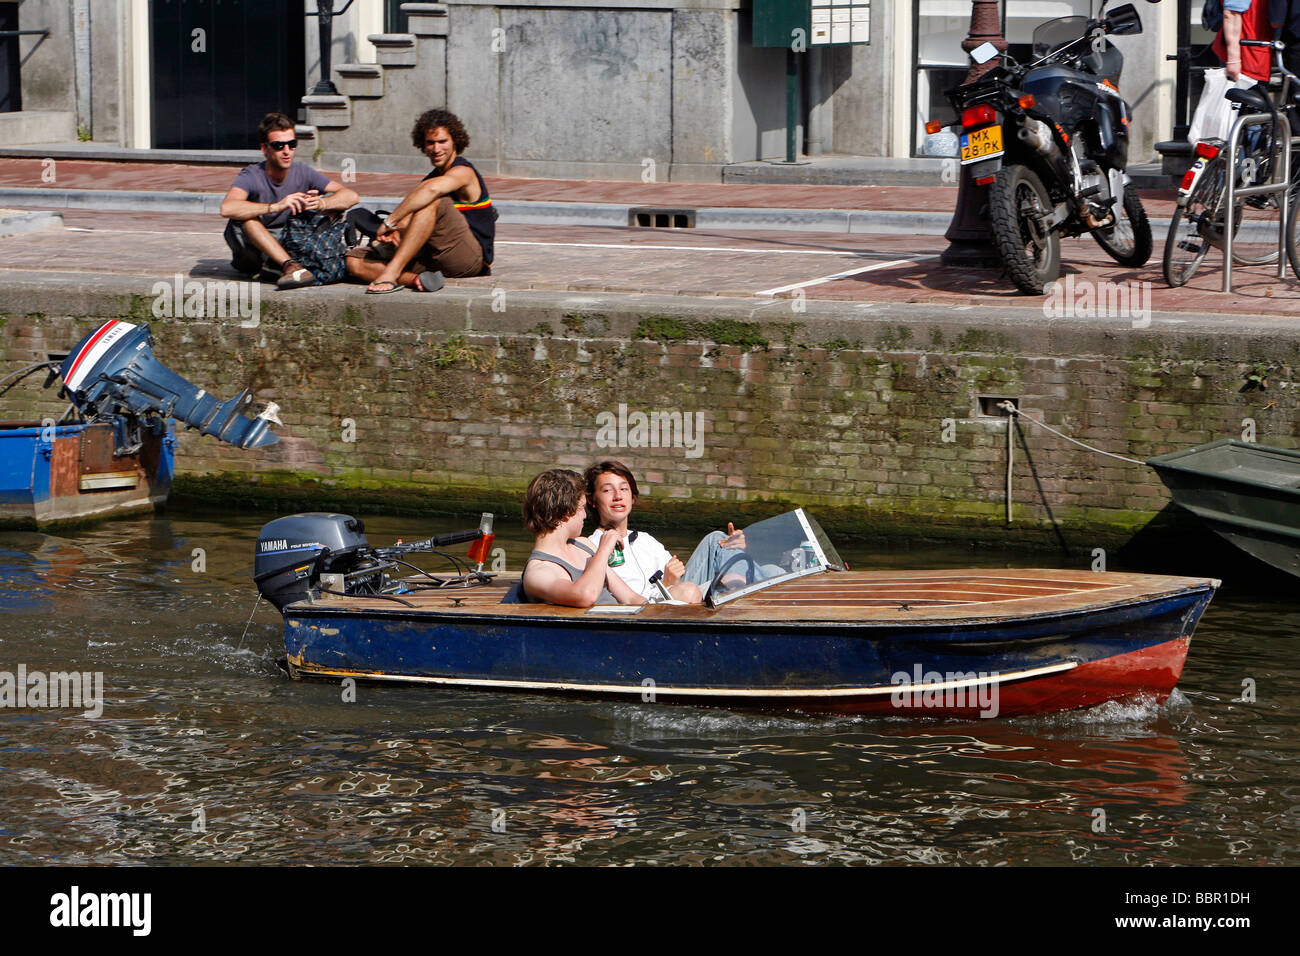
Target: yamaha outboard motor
[293,552]
[113,370]
[302,556]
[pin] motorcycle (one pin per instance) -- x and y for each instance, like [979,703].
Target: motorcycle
[1050,140]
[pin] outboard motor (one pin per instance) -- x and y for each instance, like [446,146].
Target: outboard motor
[293,553]
[303,555]
[113,370]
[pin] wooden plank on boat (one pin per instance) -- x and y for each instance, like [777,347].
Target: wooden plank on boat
[865,597]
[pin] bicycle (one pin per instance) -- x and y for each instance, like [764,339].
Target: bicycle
[1199,221]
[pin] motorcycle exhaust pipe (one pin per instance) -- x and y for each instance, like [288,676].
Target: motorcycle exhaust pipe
[1037,135]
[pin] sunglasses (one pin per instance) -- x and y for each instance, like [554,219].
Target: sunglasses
[282,144]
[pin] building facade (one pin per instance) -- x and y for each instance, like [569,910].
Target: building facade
[547,87]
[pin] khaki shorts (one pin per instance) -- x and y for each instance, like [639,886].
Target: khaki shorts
[452,249]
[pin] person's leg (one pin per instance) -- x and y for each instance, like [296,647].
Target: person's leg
[705,561]
[245,258]
[452,248]
[687,591]
[267,243]
[362,268]
[419,227]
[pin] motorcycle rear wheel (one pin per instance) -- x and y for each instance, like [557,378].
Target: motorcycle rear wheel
[1128,241]
[1018,204]
[1197,224]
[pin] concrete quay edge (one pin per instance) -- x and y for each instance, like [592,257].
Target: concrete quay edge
[528,212]
[867,326]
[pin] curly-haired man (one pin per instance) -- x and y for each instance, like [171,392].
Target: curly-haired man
[445,226]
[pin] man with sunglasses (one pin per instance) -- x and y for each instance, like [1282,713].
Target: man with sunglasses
[265,195]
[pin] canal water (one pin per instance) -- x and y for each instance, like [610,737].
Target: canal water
[206,753]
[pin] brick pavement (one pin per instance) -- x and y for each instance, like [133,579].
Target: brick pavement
[886,269]
[80,174]
[690,263]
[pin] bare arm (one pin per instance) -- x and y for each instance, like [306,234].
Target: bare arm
[429,191]
[237,206]
[551,583]
[1232,43]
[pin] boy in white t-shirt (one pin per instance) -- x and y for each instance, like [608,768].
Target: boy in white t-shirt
[611,493]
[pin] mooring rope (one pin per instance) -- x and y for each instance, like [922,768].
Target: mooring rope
[249,623]
[1012,410]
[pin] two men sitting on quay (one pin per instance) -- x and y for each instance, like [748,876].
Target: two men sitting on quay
[285,217]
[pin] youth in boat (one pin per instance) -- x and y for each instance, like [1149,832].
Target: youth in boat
[611,493]
[565,568]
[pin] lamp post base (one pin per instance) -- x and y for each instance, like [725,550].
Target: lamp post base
[970,241]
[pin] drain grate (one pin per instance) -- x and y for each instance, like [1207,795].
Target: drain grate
[656,217]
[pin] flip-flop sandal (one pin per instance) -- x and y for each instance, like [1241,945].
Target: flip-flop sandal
[395,287]
[431,281]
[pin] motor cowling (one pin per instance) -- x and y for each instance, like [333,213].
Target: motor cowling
[293,552]
[113,370]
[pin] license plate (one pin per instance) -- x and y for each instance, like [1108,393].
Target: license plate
[981,144]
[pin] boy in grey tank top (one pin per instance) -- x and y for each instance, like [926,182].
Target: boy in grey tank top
[563,567]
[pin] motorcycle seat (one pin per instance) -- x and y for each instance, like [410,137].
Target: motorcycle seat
[1252,98]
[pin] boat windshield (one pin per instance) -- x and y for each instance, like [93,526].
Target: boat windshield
[1056,33]
[777,549]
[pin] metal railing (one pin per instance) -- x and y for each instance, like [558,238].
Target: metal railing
[1282,140]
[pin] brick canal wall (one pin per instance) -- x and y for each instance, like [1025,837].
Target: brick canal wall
[870,416]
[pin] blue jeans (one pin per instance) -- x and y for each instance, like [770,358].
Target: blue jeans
[707,560]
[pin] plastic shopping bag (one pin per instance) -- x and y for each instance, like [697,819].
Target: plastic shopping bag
[1214,114]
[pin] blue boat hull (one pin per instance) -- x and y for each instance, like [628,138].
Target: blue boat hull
[52,474]
[856,665]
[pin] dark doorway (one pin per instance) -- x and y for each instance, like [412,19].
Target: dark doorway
[395,21]
[11,87]
[211,88]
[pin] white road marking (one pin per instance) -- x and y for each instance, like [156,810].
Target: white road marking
[846,274]
[639,246]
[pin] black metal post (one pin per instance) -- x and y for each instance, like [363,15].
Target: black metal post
[325,14]
[1182,76]
[970,240]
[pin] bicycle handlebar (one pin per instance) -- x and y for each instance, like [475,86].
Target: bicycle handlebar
[1278,48]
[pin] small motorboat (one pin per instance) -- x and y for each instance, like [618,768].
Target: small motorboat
[114,452]
[1247,493]
[784,625]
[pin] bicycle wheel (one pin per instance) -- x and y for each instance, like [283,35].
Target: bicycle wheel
[1292,224]
[1197,225]
[1257,218]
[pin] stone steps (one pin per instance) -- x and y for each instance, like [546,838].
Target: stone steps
[376,103]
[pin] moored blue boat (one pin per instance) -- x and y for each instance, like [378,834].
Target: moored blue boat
[114,452]
[54,473]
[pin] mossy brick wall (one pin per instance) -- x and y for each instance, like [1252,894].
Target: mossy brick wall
[463,406]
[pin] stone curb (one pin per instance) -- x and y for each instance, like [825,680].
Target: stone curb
[615,314]
[526,212]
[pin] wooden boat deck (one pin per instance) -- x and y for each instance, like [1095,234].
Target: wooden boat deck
[859,596]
